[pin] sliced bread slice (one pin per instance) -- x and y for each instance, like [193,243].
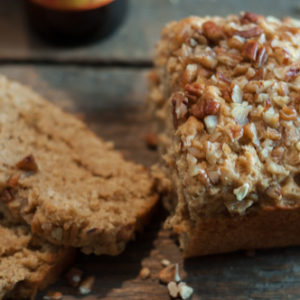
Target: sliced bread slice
[26,263]
[68,185]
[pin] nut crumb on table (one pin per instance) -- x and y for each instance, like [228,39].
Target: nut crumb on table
[145,273]
[86,285]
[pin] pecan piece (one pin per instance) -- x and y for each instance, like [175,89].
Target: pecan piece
[268,104]
[179,107]
[255,53]
[250,33]
[250,50]
[194,89]
[274,192]
[27,164]
[292,73]
[205,108]
[288,113]
[222,77]
[262,57]
[249,17]
[212,31]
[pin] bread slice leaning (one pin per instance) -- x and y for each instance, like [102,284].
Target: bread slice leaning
[68,185]
[26,263]
[225,96]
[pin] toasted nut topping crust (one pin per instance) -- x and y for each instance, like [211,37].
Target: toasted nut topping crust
[236,85]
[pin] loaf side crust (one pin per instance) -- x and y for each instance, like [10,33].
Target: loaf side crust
[267,228]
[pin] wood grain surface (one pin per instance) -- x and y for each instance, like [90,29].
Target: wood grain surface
[134,41]
[111,100]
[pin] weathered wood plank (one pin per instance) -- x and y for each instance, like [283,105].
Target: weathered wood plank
[112,104]
[134,40]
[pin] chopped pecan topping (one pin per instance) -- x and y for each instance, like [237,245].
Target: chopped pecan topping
[262,56]
[28,164]
[236,131]
[205,108]
[255,53]
[249,17]
[292,73]
[259,74]
[288,113]
[199,37]
[274,192]
[273,134]
[212,31]
[190,74]
[250,50]
[179,107]
[194,89]
[226,93]
[277,153]
[250,33]
[268,104]
[222,77]
[282,55]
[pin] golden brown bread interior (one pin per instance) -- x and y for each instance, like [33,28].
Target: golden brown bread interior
[28,264]
[225,95]
[68,185]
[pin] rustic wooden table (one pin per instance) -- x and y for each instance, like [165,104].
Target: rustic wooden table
[105,82]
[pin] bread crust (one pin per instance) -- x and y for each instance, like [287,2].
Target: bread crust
[264,228]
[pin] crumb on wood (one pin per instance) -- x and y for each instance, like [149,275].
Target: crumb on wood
[53,296]
[145,273]
[165,262]
[86,285]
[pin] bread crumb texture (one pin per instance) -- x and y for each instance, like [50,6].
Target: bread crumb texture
[68,185]
[26,263]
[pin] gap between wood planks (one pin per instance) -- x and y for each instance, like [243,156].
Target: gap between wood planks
[98,63]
